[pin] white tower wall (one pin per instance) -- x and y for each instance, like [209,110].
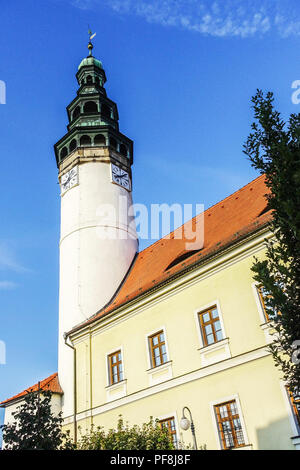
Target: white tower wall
[96,250]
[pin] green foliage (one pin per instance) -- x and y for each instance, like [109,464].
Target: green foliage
[148,436]
[35,427]
[273,148]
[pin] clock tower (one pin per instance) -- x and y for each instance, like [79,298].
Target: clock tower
[98,240]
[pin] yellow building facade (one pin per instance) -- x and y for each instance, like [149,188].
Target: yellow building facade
[237,369]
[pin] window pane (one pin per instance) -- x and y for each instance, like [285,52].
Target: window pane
[157,361]
[155,340]
[114,359]
[233,408]
[223,411]
[163,348]
[219,335]
[210,339]
[217,325]
[164,357]
[214,313]
[156,352]
[162,338]
[205,317]
[208,329]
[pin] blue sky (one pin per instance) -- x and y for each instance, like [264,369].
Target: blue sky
[182,73]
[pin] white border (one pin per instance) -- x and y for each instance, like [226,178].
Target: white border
[168,416]
[290,411]
[149,358]
[115,182]
[202,309]
[214,418]
[120,348]
[260,308]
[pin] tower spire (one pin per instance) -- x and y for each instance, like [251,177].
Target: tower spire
[90,44]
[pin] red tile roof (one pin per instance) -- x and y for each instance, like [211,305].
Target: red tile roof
[50,383]
[228,221]
[225,223]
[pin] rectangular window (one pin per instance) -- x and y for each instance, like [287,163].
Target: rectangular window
[295,404]
[210,324]
[229,425]
[262,296]
[158,349]
[169,423]
[115,367]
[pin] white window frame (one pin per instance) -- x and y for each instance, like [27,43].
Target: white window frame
[200,310]
[294,427]
[149,356]
[219,401]
[169,415]
[255,286]
[265,325]
[107,354]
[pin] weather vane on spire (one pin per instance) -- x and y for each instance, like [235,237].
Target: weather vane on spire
[90,45]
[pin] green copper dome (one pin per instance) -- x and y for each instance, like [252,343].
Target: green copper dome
[90,61]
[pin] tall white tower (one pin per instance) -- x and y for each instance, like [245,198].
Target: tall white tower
[98,239]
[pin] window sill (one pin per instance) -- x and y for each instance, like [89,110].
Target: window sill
[268,329]
[215,352]
[115,385]
[160,373]
[117,390]
[159,367]
[245,447]
[296,442]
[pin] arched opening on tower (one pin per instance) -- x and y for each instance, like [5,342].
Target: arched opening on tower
[113,143]
[76,112]
[63,152]
[89,79]
[73,145]
[85,140]
[99,139]
[105,110]
[90,107]
[123,150]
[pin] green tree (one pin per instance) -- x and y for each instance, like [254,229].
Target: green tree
[148,436]
[35,427]
[273,148]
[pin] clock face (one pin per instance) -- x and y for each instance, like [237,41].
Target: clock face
[69,179]
[120,177]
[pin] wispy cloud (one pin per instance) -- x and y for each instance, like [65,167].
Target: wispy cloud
[220,18]
[185,172]
[7,285]
[8,259]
